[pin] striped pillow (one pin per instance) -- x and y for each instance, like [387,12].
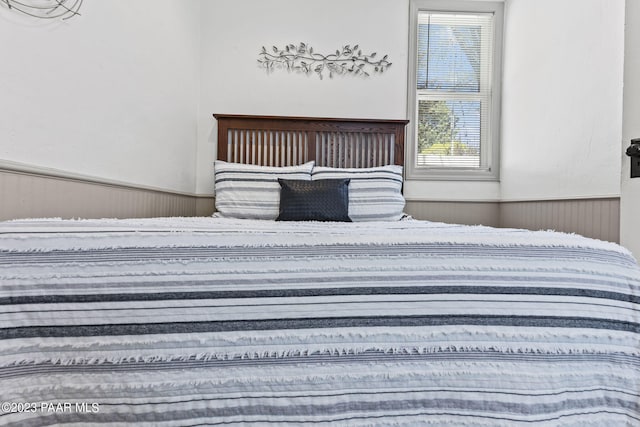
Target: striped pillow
[375,194]
[251,191]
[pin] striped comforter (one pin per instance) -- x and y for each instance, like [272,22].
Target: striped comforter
[211,321]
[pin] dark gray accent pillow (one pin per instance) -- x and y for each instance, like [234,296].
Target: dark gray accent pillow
[325,200]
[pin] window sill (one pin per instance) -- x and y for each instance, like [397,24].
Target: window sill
[432,174]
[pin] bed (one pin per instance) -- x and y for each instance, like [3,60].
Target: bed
[384,321]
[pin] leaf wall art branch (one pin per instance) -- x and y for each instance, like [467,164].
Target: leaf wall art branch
[45,9]
[302,59]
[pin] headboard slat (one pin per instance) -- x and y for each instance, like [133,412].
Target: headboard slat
[285,141]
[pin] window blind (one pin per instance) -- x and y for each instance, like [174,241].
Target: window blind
[454,67]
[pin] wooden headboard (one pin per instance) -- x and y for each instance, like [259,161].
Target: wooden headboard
[286,141]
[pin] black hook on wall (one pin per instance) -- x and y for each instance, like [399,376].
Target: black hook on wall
[633,151]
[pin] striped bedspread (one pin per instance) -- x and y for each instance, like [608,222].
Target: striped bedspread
[212,321]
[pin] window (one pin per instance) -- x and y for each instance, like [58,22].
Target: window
[454,90]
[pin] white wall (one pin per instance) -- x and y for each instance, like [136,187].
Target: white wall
[233,33]
[562,90]
[562,99]
[630,199]
[126,91]
[110,94]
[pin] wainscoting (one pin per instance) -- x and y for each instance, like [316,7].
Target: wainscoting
[456,212]
[26,194]
[597,218]
[30,195]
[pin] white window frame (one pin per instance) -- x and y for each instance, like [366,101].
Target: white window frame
[490,136]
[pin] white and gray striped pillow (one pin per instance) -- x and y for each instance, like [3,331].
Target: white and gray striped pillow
[251,191]
[375,194]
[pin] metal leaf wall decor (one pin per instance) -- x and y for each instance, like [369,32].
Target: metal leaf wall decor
[45,9]
[302,59]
